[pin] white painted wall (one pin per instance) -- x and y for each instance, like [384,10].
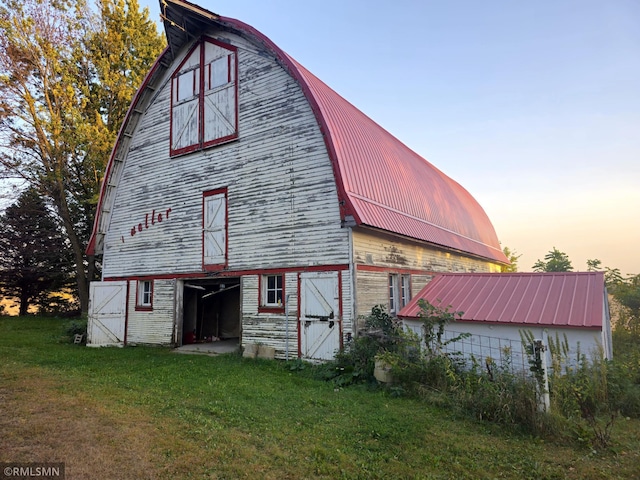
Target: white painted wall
[282,201]
[490,340]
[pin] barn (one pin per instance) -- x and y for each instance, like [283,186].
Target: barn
[246,201]
[561,307]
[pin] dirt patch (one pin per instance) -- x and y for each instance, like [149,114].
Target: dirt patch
[45,420]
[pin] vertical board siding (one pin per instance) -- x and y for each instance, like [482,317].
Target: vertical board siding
[282,200]
[156,326]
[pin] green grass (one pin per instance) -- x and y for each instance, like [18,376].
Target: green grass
[246,418]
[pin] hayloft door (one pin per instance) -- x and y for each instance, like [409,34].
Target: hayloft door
[107,313]
[214,237]
[320,322]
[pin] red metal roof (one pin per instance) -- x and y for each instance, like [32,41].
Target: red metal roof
[564,299]
[380,181]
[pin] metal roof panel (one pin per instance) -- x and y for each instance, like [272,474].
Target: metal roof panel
[563,299]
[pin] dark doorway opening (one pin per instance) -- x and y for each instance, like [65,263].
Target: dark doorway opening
[211,311]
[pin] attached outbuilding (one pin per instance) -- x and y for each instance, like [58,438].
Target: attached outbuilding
[247,201]
[497,308]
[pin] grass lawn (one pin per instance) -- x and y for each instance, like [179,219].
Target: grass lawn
[149,413]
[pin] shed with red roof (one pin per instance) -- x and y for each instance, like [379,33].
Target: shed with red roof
[246,200]
[549,305]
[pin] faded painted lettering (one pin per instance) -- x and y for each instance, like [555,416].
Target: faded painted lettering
[150,219]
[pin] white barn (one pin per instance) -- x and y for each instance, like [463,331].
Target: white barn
[246,200]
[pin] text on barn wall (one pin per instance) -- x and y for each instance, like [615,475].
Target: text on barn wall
[150,220]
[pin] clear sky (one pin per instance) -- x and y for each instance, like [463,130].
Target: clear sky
[534,107]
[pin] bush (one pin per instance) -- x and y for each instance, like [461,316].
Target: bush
[356,361]
[76,327]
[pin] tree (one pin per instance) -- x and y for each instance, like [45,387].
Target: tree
[33,255]
[513,259]
[626,293]
[67,76]
[554,261]
[594,265]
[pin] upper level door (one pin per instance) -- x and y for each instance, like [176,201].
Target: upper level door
[214,231]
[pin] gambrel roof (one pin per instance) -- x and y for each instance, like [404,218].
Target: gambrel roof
[381,183]
[561,299]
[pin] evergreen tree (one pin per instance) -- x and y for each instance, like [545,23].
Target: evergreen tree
[34,259]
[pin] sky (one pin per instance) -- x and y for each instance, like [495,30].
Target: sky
[533,107]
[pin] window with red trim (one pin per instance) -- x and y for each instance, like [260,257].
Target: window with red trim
[144,295]
[204,97]
[272,293]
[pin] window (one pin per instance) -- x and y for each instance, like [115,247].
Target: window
[204,98]
[272,293]
[144,295]
[405,290]
[393,293]
[399,292]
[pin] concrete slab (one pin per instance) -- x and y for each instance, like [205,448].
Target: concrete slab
[212,348]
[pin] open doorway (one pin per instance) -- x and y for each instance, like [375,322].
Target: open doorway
[211,312]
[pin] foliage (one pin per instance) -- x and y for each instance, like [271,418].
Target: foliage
[434,320]
[356,361]
[76,327]
[554,261]
[33,254]
[196,416]
[67,75]
[594,265]
[513,260]
[627,295]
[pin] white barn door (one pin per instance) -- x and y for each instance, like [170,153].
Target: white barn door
[107,313]
[320,322]
[214,240]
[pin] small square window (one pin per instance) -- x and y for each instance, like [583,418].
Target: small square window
[144,297]
[272,292]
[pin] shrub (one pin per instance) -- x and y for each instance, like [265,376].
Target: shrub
[356,361]
[76,327]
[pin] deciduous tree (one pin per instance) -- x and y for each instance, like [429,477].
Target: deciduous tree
[513,259]
[67,76]
[554,261]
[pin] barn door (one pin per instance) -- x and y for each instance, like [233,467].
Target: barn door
[219,93]
[320,322]
[214,239]
[107,313]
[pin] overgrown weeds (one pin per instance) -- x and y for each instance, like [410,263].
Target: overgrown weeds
[587,393]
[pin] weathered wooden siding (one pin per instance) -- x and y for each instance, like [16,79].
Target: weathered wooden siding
[270,329]
[376,255]
[282,199]
[156,326]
